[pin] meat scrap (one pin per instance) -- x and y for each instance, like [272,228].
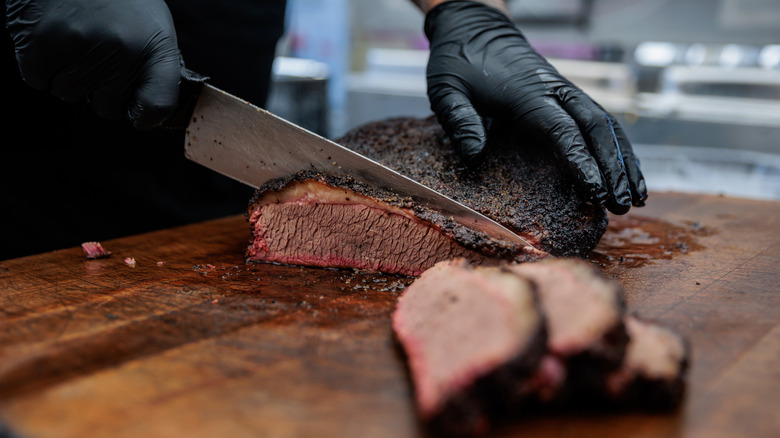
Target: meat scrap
[475,356]
[94,250]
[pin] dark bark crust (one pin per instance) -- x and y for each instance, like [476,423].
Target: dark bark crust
[492,398]
[517,185]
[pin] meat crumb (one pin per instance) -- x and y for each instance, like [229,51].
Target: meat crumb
[94,250]
[129,261]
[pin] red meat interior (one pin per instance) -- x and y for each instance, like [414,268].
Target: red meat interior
[314,224]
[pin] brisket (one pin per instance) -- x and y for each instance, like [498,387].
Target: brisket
[459,327]
[319,220]
[587,337]
[468,332]
[653,372]
[323,220]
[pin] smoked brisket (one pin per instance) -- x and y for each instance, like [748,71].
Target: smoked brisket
[652,374]
[323,220]
[313,219]
[472,338]
[459,327]
[587,335]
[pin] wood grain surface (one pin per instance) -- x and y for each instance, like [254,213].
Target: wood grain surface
[194,342]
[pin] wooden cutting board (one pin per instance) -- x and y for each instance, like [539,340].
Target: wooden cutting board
[191,341]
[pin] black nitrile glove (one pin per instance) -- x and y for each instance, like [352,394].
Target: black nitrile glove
[120,55]
[482,68]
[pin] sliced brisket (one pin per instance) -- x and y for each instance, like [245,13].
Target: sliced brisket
[461,329]
[584,311]
[468,332]
[653,372]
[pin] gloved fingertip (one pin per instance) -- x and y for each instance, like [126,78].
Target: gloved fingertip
[624,199]
[620,202]
[639,193]
[618,209]
[471,148]
[642,189]
[146,118]
[156,98]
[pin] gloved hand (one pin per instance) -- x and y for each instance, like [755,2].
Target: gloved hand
[122,56]
[482,68]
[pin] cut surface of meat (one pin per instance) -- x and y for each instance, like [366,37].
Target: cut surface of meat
[460,329]
[583,308]
[318,220]
[518,185]
[459,326]
[586,335]
[653,371]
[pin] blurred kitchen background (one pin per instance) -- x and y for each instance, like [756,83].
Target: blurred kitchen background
[695,83]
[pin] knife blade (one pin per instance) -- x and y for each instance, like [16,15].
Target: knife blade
[249,144]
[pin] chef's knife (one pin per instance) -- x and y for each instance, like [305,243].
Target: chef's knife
[249,144]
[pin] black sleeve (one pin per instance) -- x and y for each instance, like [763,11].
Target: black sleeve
[68,176]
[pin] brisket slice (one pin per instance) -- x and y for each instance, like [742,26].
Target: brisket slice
[653,372]
[472,338]
[320,220]
[451,321]
[584,311]
[517,185]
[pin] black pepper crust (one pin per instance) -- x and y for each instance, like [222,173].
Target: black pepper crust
[519,186]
